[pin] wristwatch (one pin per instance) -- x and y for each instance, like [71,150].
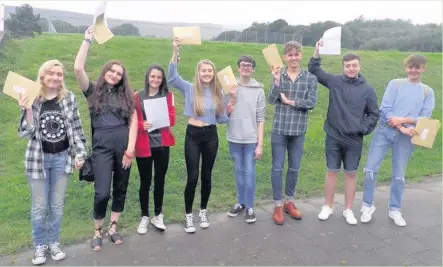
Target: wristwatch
[88,40]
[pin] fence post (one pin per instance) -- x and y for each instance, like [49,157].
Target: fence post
[275,37]
[284,37]
[266,36]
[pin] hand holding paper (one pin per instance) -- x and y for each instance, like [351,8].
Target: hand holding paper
[156,111]
[227,79]
[20,88]
[272,56]
[25,101]
[426,131]
[331,42]
[187,35]
[102,32]
[89,33]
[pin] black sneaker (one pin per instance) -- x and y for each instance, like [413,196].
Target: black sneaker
[250,216]
[234,211]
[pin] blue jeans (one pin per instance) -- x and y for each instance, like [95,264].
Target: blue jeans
[384,138]
[48,196]
[243,156]
[295,147]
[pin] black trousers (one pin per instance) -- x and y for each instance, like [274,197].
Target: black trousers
[160,158]
[108,147]
[199,141]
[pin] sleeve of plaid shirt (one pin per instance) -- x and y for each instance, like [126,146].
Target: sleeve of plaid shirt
[77,128]
[25,130]
[274,92]
[311,101]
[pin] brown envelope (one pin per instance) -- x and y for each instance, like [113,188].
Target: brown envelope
[427,130]
[187,35]
[102,33]
[227,79]
[16,84]
[272,56]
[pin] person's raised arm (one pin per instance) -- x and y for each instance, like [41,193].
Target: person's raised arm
[323,77]
[79,64]
[174,79]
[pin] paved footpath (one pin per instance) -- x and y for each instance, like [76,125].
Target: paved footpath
[307,242]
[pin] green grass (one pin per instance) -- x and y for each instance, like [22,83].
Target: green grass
[25,57]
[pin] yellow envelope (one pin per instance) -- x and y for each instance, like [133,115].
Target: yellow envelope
[16,84]
[272,56]
[187,35]
[102,33]
[227,79]
[427,130]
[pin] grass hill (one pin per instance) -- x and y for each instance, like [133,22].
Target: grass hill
[26,56]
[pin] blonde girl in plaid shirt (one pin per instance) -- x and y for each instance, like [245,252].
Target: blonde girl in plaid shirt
[56,147]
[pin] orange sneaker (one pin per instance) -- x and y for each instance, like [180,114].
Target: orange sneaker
[290,208]
[277,216]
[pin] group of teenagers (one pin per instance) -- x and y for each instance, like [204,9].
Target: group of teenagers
[120,134]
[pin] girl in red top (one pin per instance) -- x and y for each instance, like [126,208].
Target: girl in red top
[153,147]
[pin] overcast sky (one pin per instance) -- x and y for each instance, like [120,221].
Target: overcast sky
[246,12]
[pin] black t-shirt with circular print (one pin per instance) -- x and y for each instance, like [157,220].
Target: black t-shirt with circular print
[52,127]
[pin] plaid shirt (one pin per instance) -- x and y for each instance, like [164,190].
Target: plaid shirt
[289,120]
[34,154]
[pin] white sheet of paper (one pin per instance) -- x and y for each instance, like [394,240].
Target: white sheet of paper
[101,8]
[2,17]
[156,111]
[331,42]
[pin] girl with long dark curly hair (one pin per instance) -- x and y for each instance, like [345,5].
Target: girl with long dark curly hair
[114,133]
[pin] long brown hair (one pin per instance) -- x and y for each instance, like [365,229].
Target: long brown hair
[217,97]
[97,99]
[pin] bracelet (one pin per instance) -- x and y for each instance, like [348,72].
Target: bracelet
[87,40]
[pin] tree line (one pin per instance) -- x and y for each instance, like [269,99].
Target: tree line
[358,34]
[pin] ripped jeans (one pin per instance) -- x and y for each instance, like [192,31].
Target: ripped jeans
[295,146]
[384,138]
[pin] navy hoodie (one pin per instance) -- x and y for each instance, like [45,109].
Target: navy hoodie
[353,109]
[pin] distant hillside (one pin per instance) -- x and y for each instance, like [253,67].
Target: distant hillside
[146,28]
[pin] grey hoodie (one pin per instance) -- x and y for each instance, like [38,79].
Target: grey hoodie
[250,108]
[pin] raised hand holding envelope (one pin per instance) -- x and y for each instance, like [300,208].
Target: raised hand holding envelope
[272,56]
[227,79]
[102,33]
[331,42]
[187,35]
[16,85]
[156,112]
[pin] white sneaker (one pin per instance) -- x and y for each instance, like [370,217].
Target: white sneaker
[189,223]
[157,221]
[349,216]
[204,222]
[56,253]
[39,255]
[366,213]
[325,213]
[396,216]
[143,226]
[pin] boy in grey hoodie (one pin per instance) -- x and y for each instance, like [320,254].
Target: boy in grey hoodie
[245,134]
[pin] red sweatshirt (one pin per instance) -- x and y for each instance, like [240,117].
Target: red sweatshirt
[142,147]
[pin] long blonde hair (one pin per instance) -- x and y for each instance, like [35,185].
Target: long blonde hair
[217,97]
[45,67]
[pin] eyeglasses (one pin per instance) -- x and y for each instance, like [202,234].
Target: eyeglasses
[246,66]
